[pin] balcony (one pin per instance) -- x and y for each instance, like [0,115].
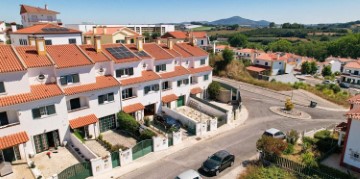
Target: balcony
[8,119]
[9,125]
[45,20]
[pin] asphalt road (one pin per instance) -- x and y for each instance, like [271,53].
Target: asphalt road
[239,141]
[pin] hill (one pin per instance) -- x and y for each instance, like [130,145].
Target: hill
[241,21]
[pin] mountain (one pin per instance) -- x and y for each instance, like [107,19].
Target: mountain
[241,21]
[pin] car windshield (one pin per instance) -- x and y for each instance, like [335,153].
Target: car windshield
[215,158]
[170,120]
[267,134]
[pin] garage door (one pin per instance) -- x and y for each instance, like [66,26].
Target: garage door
[107,123]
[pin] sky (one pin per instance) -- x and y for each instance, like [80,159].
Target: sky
[174,11]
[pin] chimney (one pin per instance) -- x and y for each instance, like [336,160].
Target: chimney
[40,45]
[139,43]
[104,30]
[278,56]
[46,7]
[192,39]
[158,40]
[87,40]
[170,43]
[127,40]
[13,27]
[32,40]
[97,42]
[94,30]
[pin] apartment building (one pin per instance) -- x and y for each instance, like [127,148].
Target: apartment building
[53,35]
[36,15]
[111,35]
[47,91]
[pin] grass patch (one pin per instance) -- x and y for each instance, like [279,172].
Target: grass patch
[79,135]
[203,28]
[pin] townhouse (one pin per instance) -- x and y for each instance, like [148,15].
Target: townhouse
[3,36]
[48,91]
[248,53]
[337,63]
[350,74]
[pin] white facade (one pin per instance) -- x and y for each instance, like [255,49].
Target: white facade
[30,19]
[56,39]
[2,32]
[352,147]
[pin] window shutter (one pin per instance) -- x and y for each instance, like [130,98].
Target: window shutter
[157,68]
[123,94]
[178,83]
[131,71]
[118,73]
[36,113]
[146,89]
[156,87]
[186,81]
[130,92]
[63,80]
[51,109]
[76,78]
[101,99]
[164,67]
[2,87]
[111,97]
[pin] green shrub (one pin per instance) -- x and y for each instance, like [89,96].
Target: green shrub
[292,136]
[214,89]
[260,172]
[79,135]
[100,137]
[289,149]
[147,134]
[271,145]
[308,159]
[289,105]
[334,172]
[322,134]
[117,147]
[127,122]
[147,121]
[324,145]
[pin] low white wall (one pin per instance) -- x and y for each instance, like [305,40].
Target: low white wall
[125,157]
[83,149]
[213,124]
[101,165]
[201,129]
[160,143]
[210,110]
[177,137]
[182,118]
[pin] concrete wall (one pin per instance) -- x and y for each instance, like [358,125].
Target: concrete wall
[182,118]
[48,72]
[160,143]
[15,82]
[83,148]
[177,137]
[125,157]
[101,165]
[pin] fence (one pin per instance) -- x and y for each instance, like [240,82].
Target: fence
[142,148]
[77,171]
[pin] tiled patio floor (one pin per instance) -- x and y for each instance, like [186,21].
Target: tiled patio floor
[118,137]
[334,162]
[96,148]
[20,171]
[193,113]
[60,160]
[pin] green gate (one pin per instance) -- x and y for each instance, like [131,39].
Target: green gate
[115,159]
[170,140]
[142,148]
[77,171]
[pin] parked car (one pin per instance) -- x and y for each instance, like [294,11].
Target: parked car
[189,174]
[328,82]
[167,122]
[218,162]
[344,85]
[275,133]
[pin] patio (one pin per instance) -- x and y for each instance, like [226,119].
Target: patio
[96,148]
[120,138]
[193,114]
[60,159]
[334,162]
[20,170]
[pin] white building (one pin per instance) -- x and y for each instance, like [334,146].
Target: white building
[53,35]
[201,38]
[248,53]
[2,32]
[351,74]
[47,91]
[272,62]
[337,64]
[36,15]
[139,28]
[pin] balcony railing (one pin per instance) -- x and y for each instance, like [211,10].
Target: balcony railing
[78,109]
[9,125]
[45,20]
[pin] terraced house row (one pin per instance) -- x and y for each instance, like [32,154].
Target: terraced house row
[46,91]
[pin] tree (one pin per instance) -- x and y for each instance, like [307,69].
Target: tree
[238,40]
[127,122]
[235,26]
[214,89]
[146,35]
[271,145]
[155,35]
[313,67]
[281,45]
[272,25]
[305,68]
[326,71]
[228,56]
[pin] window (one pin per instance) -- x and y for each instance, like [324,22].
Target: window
[279,63]
[75,103]
[23,41]
[72,41]
[69,79]
[266,63]
[165,85]
[43,111]
[257,61]
[202,61]
[106,98]
[2,87]
[356,72]
[124,72]
[187,62]
[127,93]
[48,42]
[184,81]
[202,42]
[147,89]
[206,77]
[160,67]
[119,41]
[3,119]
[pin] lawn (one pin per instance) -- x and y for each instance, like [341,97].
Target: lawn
[203,28]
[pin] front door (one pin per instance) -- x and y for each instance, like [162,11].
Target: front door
[149,110]
[9,154]
[107,123]
[44,141]
[181,101]
[3,119]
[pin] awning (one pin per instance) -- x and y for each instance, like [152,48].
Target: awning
[169,98]
[133,108]
[13,140]
[255,69]
[196,90]
[83,121]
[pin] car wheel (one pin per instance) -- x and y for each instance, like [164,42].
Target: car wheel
[217,173]
[232,163]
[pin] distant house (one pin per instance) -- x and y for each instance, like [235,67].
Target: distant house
[2,32]
[337,63]
[274,62]
[111,34]
[248,53]
[53,35]
[36,15]
[351,74]
[220,48]
[201,38]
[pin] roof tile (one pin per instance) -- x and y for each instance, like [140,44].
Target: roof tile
[196,90]
[8,60]
[193,50]
[157,52]
[101,83]
[169,98]
[179,71]
[39,29]
[199,70]
[83,121]
[91,52]
[30,57]
[145,76]
[133,108]
[13,139]
[30,9]
[66,56]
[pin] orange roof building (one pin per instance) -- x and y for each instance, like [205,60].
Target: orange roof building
[112,34]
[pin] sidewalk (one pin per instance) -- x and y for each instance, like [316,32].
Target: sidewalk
[235,172]
[155,156]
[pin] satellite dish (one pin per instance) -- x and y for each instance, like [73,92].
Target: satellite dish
[101,70]
[41,77]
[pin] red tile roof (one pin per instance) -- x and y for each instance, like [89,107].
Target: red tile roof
[355,64]
[193,50]
[133,108]
[66,56]
[30,57]
[37,92]
[30,9]
[199,34]
[181,51]
[169,98]
[157,52]
[111,31]
[101,83]
[91,52]
[175,34]
[125,60]
[179,71]
[199,70]
[13,140]
[196,90]
[354,100]
[8,60]
[172,51]
[353,113]
[83,121]
[40,29]
[255,69]
[145,77]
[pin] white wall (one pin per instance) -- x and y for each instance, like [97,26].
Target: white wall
[28,19]
[278,67]
[49,73]
[57,39]
[15,82]
[160,143]
[99,165]
[86,74]
[352,144]
[335,66]
[205,42]
[136,65]
[83,148]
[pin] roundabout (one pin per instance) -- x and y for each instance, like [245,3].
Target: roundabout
[294,113]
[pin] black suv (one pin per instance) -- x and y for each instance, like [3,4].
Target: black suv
[167,122]
[218,162]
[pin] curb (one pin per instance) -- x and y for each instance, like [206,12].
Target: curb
[274,110]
